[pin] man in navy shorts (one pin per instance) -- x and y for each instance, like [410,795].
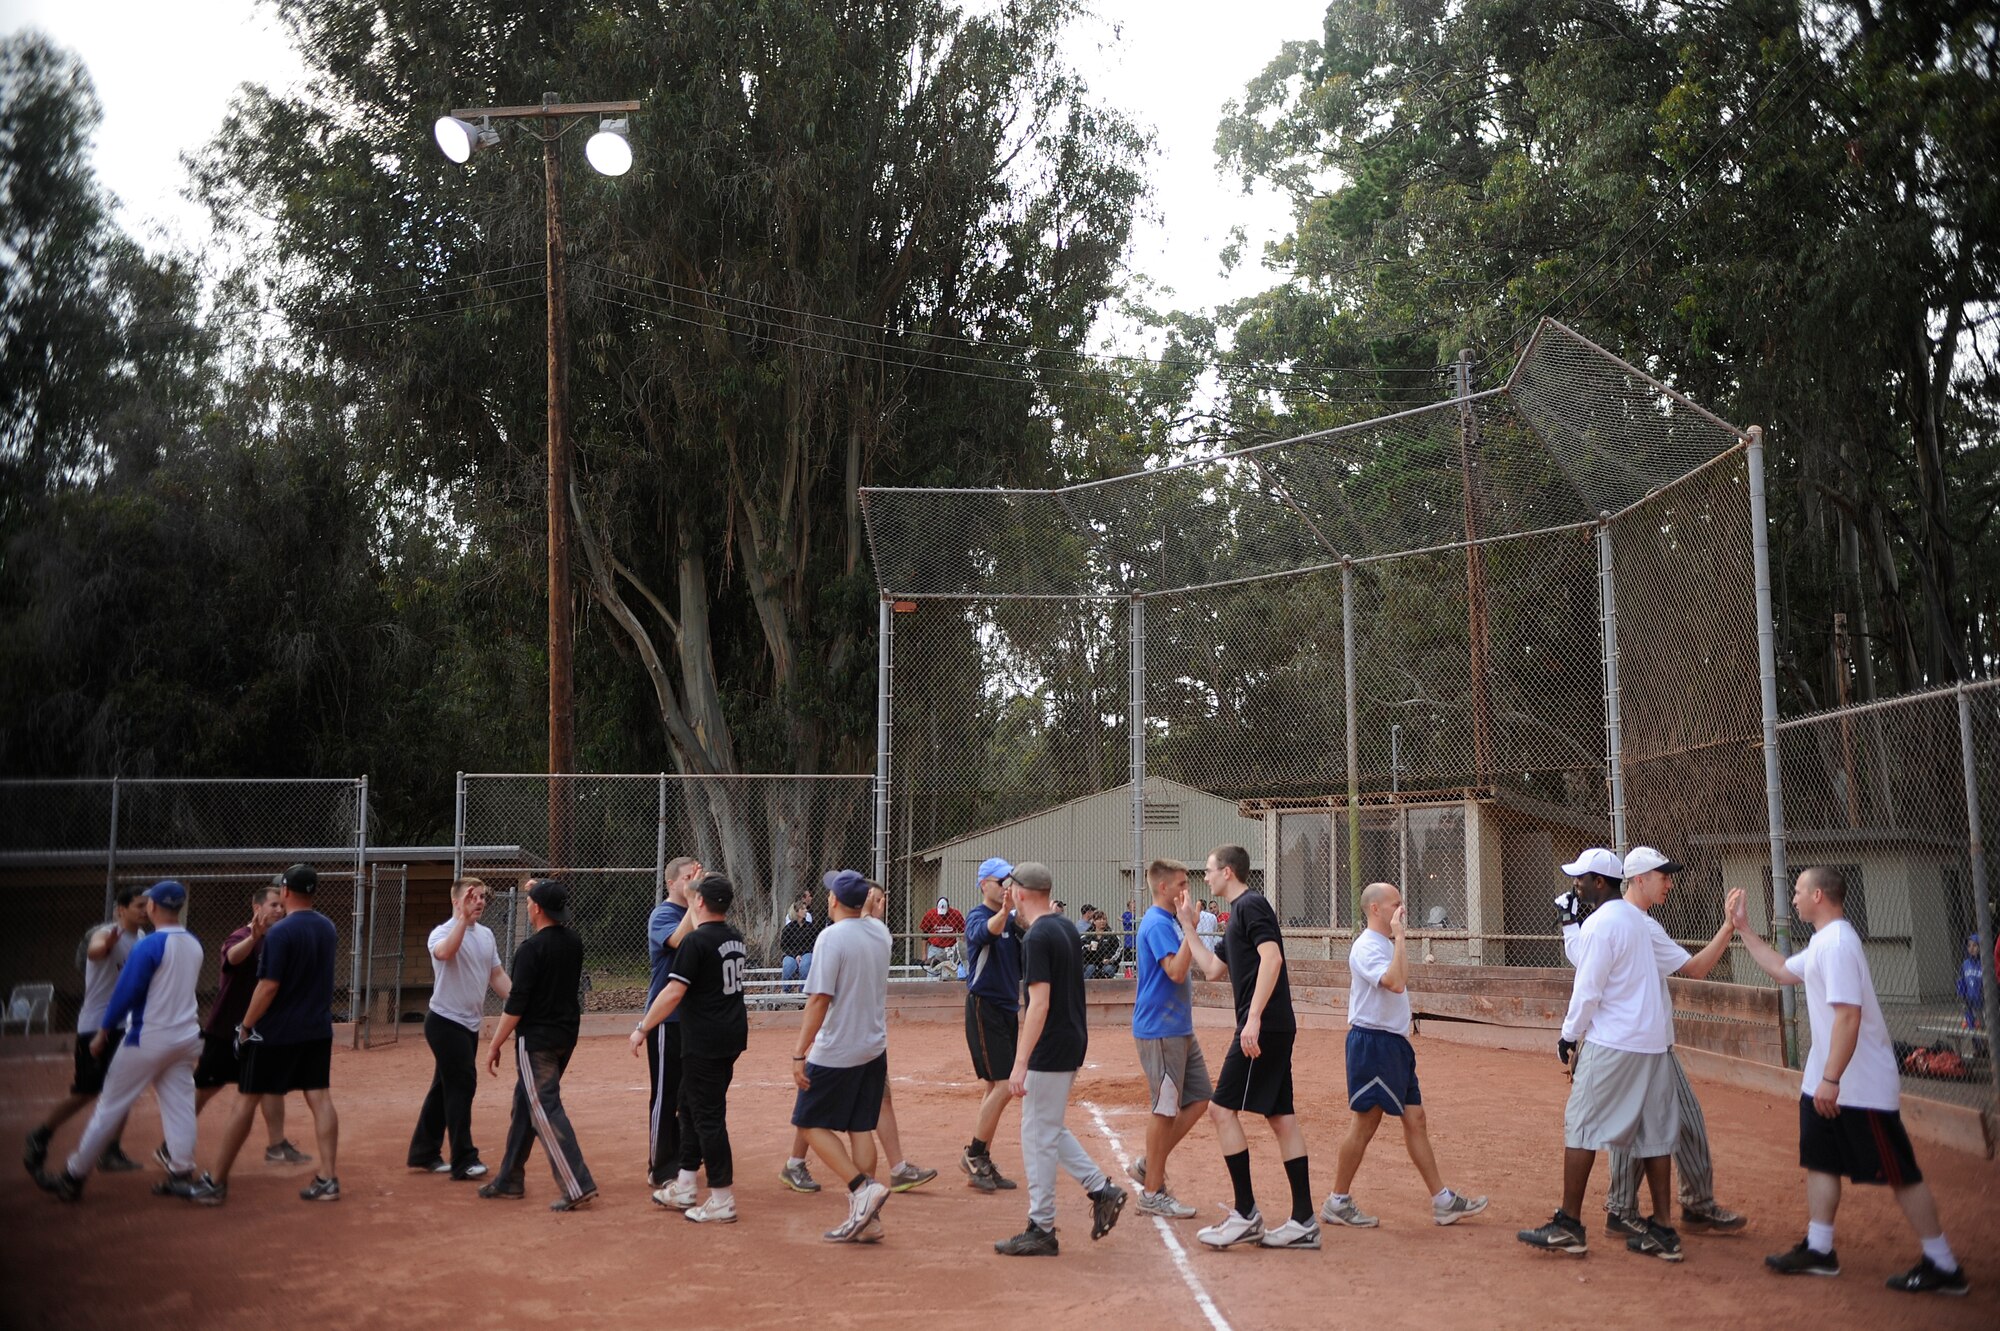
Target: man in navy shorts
[842,1064]
[1382,1065]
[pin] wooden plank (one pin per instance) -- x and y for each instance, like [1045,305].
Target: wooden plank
[1732,1000]
[1499,1009]
[1758,1044]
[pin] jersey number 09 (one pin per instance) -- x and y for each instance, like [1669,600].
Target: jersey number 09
[732,975]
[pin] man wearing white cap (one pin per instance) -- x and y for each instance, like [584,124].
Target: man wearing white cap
[1622,1084]
[942,925]
[156,990]
[1599,874]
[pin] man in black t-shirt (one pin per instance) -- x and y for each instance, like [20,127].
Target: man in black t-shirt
[706,987]
[1256,1076]
[1052,1042]
[544,1011]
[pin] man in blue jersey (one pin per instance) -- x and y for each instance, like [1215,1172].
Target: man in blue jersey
[665,928]
[992,1013]
[156,991]
[1177,1086]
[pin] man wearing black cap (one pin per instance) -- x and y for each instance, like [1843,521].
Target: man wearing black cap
[545,1007]
[156,991]
[706,988]
[286,1037]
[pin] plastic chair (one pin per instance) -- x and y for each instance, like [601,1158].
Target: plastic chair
[29,1003]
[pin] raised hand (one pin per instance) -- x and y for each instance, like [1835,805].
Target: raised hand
[1737,907]
[1569,908]
[1398,921]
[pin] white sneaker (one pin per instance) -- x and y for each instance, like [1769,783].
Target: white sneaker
[714,1211]
[1164,1205]
[865,1202]
[1291,1234]
[1337,1212]
[1455,1210]
[677,1195]
[1232,1230]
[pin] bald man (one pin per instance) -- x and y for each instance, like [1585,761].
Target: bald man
[1382,1065]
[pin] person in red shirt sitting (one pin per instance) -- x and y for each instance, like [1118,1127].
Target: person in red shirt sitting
[943,927]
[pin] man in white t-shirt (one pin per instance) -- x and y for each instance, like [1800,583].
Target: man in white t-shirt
[1382,1065]
[465,963]
[1850,1101]
[841,1066]
[1208,926]
[1622,1084]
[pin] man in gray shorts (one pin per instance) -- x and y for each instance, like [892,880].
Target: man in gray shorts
[1177,1085]
[1622,1089]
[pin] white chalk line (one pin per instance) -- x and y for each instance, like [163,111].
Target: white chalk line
[1167,1235]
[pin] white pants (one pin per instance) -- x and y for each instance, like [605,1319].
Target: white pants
[1045,1143]
[169,1070]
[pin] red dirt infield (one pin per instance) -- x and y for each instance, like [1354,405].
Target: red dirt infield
[404,1249]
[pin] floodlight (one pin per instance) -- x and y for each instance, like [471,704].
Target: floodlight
[459,139]
[609,152]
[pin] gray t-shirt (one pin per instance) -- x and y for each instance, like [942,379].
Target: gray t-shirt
[851,964]
[100,978]
[458,986]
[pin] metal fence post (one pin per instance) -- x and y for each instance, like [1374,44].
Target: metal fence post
[660,848]
[885,694]
[1137,739]
[1982,907]
[354,995]
[1614,734]
[1353,748]
[458,832]
[1767,678]
[111,856]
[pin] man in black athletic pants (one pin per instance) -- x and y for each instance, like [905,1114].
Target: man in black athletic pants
[1257,1069]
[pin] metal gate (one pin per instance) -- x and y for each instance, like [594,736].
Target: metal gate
[381,1012]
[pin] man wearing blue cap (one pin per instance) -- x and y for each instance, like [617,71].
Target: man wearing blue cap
[156,991]
[992,1013]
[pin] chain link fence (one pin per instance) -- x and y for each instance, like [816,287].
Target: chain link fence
[1448,648]
[67,848]
[611,837]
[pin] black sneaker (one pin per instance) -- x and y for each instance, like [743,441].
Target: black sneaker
[321,1190]
[1802,1260]
[476,1169]
[1563,1233]
[207,1192]
[1000,1182]
[1712,1218]
[284,1153]
[1925,1278]
[1658,1241]
[68,1189]
[1623,1226]
[573,1203]
[502,1190]
[37,1153]
[177,1185]
[166,1161]
[1034,1241]
[434,1165]
[115,1161]
[1105,1204]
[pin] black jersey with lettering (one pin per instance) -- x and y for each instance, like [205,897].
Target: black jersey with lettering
[710,962]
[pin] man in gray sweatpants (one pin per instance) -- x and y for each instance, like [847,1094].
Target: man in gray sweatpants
[1599,874]
[1050,1050]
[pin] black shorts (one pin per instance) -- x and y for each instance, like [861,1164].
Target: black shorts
[1262,1085]
[843,1099]
[90,1070]
[990,1035]
[1865,1145]
[274,1069]
[219,1065]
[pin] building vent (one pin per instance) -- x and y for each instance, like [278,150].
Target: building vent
[1162,815]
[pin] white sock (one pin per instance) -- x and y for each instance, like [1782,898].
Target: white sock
[726,1195]
[685,1178]
[795,1162]
[1939,1252]
[1819,1237]
[1442,1199]
[1340,1197]
[904,1166]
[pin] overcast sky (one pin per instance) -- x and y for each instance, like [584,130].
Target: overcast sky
[165,78]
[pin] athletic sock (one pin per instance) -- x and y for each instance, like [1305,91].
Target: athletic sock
[903,1166]
[1442,1199]
[795,1162]
[1338,1197]
[977,1149]
[685,1178]
[856,1183]
[1302,1197]
[723,1194]
[1239,1178]
[1819,1237]
[1940,1254]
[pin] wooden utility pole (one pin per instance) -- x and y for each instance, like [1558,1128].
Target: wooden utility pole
[1475,579]
[557,117]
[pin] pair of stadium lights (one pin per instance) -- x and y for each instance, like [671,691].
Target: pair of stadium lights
[609,151]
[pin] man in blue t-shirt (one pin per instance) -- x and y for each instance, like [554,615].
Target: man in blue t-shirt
[287,1035]
[992,1012]
[1177,1085]
[665,928]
